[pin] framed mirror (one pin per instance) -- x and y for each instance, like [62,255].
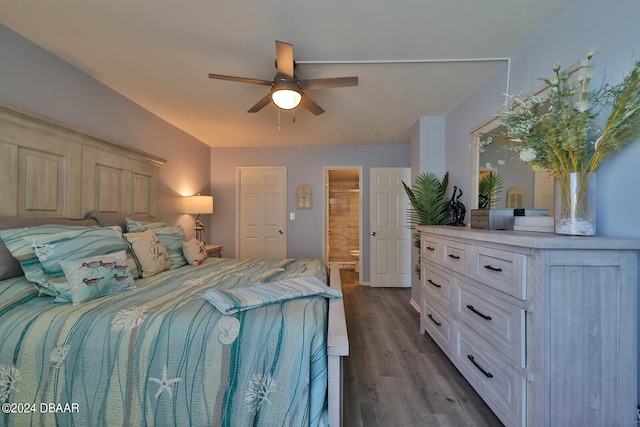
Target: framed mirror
[522,186]
[303,196]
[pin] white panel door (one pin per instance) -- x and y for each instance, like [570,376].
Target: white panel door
[390,236]
[261,212]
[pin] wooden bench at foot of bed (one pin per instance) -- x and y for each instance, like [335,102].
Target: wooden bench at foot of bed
[337,348]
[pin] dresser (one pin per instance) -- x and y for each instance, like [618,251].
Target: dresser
[543,326]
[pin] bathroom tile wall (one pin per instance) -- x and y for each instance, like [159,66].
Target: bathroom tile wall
[344,216]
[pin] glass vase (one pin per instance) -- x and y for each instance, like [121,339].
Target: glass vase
[575,204]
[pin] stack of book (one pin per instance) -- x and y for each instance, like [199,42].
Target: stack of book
[534,223]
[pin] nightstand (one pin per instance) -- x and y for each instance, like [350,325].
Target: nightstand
[214,251]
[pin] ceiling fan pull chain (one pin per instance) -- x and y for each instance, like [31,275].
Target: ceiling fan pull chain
[278,120]
[294,116]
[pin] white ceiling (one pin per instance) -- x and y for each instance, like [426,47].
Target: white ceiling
[158,53]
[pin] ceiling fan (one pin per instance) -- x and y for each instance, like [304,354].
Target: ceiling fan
[287,91]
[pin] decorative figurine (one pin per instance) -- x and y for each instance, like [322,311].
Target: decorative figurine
[458,209]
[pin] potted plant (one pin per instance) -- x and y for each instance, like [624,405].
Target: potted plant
[429,202]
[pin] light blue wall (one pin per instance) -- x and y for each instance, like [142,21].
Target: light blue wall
[612,26]
[304,166]
[34,79]
[427,155]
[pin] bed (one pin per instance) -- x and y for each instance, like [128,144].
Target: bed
[162,349]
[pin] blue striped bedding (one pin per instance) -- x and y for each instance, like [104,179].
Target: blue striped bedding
[160,354]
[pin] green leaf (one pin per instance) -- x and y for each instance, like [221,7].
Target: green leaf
[429,203]
[489,187]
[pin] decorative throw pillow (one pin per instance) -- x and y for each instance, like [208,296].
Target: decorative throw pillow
[149,252]
[51,249]
[194,251]
[18,242]
[93,277]
[9,266]
[171,237]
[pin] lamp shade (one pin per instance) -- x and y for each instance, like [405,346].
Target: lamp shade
[198,204]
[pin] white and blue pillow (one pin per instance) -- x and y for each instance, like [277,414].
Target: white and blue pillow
[18,241]
[52,249]
[171,237]
[194,252]
[93,277]
[149,252]
[40,249]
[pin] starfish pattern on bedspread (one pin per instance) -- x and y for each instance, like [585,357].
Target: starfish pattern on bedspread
[165,383]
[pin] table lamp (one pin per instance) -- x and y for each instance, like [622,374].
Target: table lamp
[198,205]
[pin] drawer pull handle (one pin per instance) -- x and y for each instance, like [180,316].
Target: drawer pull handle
[490,267]
[434,283]
[486,373]
[434,320]
[454,256]
[484,316]
[430,248]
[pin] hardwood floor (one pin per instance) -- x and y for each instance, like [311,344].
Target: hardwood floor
[394,375]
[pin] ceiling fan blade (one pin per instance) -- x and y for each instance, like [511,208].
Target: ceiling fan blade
[284,58]
[328,83]
[261,104]
[310,105]
[241,79]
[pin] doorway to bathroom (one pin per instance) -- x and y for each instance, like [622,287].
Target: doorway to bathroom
[343,217]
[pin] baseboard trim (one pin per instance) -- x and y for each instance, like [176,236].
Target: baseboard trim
[415,305]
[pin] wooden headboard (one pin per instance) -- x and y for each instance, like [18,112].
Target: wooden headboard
[50,169]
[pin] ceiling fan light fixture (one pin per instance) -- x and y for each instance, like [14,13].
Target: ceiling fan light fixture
[286,98]
[286,90]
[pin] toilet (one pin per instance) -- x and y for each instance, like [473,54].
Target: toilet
[356,254]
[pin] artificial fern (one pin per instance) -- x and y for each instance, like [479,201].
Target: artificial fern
[489,188]
[429,202]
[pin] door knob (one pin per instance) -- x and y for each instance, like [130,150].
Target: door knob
[279,231]
[373,233]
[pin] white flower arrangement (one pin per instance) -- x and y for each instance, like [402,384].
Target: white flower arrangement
[574,128]
[571,130]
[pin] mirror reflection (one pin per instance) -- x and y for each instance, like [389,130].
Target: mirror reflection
[522,187]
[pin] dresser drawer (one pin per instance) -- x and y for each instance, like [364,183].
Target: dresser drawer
[499,385]
[502,270]
[437,286]
[429,249]
[499,322]
[454,255]
[436,321]
[544,325]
